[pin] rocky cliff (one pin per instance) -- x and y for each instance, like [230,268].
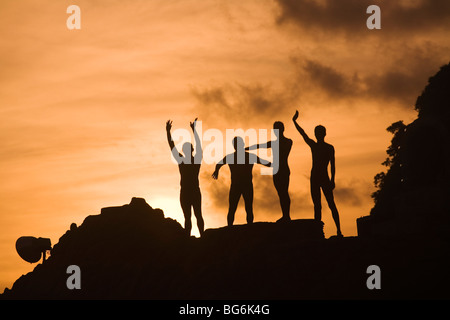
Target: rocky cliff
[134,252]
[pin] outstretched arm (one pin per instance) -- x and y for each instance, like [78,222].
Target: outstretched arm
[174,150]
[198,144]
[266,145]
[307,139]
[219,165]
[263,162]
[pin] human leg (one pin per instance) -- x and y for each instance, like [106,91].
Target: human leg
[197,204]
[233,199]
[316,198]
[248,199]
[281,183]
[185,201]
[328,193]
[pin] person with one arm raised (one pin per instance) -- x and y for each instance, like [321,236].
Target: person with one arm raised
[322,155]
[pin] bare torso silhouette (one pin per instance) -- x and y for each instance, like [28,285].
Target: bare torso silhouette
[284,151]
[282,176]
[189,167]
[189,175]
[241,173]
[241,185]
[322,155]
[241,167]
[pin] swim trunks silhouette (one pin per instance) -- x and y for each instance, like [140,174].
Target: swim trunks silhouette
[322,155]
[281,177]
[189,167]
[241,167]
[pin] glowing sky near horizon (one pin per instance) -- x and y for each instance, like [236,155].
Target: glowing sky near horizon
[83,112]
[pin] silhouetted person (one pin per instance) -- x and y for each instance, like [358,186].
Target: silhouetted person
[241,167]
[189,166]
[322,154]
[281,177]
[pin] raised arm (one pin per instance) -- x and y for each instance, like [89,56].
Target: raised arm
[174,150]
[198,144]
[307,139]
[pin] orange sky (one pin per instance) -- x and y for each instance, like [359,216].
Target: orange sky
[82,112]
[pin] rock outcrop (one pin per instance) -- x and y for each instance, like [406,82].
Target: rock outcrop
[134,252]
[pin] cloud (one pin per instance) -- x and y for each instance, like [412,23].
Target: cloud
[400,82]
[325,15]
[349,16]
[346,68]
[329,80]
[353,193]
[242,103]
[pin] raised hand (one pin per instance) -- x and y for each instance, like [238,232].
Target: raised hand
[168,125]
[192,124]
[295,117]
